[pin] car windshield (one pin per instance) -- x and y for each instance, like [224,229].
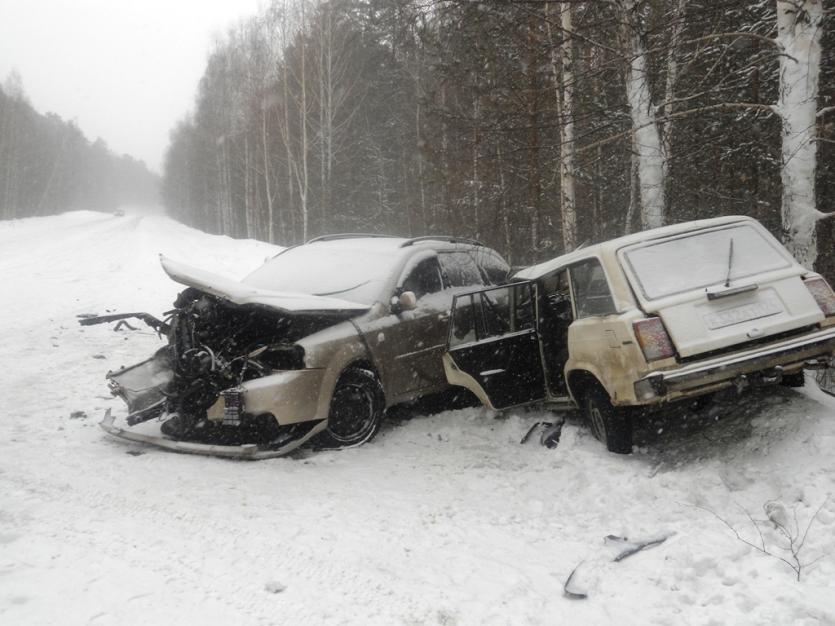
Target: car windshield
[701,259]
[328,269]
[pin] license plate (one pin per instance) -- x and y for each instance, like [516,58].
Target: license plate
[746,313]
[233,400]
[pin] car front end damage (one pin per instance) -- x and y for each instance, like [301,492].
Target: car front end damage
[232,381]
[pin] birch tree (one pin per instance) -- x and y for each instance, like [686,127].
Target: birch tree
[651,157]
[799,25]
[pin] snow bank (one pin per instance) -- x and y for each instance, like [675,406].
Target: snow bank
[443,519]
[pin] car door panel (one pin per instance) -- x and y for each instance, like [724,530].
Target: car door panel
[493,340]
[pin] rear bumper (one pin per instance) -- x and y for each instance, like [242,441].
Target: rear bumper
[252,452]
[813,349]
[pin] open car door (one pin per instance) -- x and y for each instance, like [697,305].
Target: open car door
[493,347]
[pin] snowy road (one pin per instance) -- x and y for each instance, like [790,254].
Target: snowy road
[441,520]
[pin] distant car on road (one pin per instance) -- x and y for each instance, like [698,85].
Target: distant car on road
[666,314]
[316,343]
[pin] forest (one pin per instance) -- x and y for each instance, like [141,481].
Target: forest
[48,166]
[535,126]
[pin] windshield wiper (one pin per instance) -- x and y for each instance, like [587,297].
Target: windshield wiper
[333,293]
[730,263]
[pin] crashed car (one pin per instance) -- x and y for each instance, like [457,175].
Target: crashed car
[663,315]
[313,345]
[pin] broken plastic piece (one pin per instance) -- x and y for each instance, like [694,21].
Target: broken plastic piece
[158,325]
[570,588]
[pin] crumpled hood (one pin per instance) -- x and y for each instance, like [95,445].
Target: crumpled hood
[241,293]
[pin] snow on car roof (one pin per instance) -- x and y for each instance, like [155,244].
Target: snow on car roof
[613,245]
[356,268]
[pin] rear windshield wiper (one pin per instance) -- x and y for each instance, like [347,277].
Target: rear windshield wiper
[730,263]
[715,295]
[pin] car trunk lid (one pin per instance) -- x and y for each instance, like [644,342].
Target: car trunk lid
[720,287]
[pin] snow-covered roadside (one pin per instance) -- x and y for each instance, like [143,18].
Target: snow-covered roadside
[441,520]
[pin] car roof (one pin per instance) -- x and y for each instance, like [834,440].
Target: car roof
[398,246]
[611,246]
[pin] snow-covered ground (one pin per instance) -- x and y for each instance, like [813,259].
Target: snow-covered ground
[442,519]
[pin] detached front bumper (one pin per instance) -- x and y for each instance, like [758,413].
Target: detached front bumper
[812,350]
[252,452]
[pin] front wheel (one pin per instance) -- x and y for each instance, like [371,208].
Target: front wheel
[356,411]
[608,424]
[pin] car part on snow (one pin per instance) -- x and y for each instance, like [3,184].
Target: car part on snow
[534,427]
[628,548]
[570,589]
[550,435]
[576,585]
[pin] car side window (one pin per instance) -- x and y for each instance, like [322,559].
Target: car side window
[425,278]
[493,266]
[592,295]
[459,269]
[463,321]
[492,313]
[557,297]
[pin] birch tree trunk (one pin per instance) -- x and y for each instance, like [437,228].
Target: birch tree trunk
[476,182]
[567,145]
[303,148]
[652,161]
[799,25]
[268,192]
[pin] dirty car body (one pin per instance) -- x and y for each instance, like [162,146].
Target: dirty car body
[667,314]
[313,345]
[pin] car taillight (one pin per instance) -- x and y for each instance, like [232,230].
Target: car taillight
[822,293]
[653,339]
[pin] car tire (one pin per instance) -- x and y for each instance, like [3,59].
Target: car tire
[608,424]
[796,379]
[356,411]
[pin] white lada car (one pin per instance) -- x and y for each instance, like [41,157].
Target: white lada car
[657,316]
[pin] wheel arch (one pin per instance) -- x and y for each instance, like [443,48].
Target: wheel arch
[579,380]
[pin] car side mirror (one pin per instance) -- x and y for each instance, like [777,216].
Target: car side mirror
[406,301]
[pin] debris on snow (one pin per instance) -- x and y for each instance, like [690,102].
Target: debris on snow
[628,548]
[274,587]
[578,582]
[571,589]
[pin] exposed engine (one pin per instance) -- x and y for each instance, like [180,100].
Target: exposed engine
[214,345]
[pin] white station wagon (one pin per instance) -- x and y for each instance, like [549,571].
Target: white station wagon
[666,314]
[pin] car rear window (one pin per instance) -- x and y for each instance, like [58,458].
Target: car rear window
[703,258]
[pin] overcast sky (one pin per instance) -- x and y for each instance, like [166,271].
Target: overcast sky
[125,70]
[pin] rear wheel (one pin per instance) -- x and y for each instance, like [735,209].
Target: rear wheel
[356,411]
[608,424]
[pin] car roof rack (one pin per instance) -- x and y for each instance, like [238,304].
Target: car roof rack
[446,238]
[345,236]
